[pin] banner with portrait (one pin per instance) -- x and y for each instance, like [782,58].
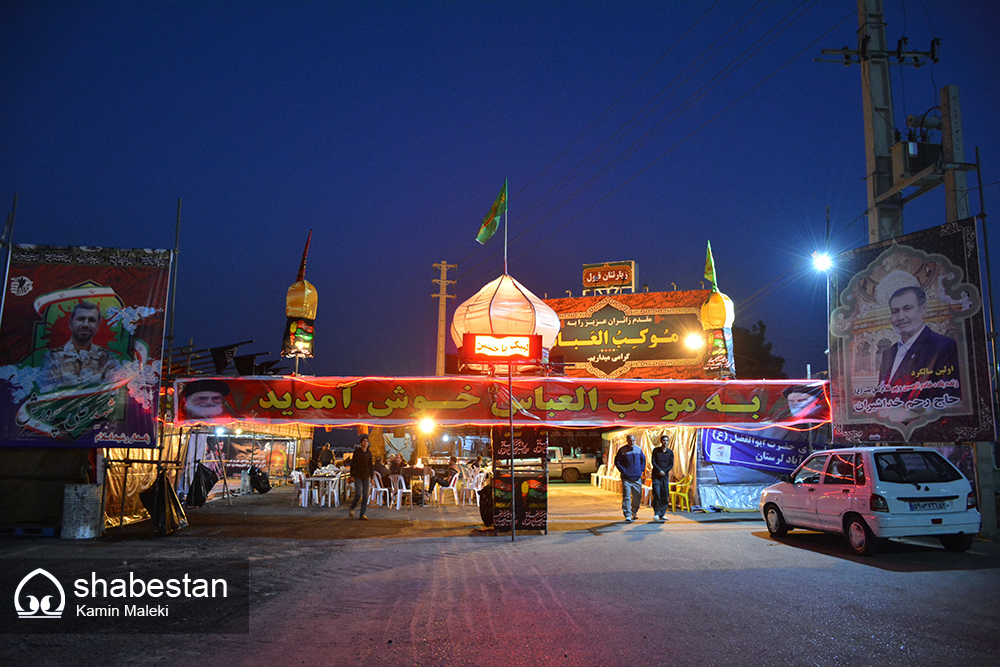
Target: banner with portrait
[908,340]
[487,401]
[81,343]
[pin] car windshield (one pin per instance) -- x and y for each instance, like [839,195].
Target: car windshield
[914,467]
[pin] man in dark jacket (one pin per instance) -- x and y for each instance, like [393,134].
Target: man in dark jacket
[361,471]
[631,464]
[325,456]
[663,461]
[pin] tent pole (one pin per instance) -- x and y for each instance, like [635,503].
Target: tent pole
[510,411]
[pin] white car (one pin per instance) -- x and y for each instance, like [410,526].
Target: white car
[874,493]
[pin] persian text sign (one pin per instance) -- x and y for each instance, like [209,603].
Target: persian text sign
[609,274]
[80,346]
[483,400]
[611,337]
[751,451]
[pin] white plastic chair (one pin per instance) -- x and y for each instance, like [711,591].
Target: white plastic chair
[378,491]
[301,489]
[398,487]
[331,491]
[452,486]
[595,479]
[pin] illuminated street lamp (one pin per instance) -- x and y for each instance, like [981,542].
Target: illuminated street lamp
[426,425]
[822,261]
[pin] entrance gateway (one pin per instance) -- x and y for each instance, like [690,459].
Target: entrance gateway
[749,406]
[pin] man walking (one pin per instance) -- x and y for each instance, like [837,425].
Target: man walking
[663,461]
[631,464]
[361,471]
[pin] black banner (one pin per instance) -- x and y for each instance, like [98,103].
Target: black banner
[529,443]
[530,509]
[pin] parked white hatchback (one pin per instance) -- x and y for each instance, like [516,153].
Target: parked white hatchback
[874,493]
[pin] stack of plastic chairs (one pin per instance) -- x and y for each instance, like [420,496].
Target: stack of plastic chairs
[679,493]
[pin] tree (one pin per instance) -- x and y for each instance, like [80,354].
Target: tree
[754,360]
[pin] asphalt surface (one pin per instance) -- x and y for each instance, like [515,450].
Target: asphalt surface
[430,586]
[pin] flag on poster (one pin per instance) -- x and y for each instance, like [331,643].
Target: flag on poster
[710,267]
[492,220]
[83,345]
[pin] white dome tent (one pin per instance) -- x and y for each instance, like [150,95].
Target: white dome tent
[505,307]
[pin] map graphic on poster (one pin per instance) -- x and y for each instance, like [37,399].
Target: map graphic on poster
[81,341]
[907,340]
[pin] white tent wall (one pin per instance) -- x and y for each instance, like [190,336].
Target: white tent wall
[684,442]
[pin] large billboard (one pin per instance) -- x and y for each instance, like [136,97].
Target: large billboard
[907,341]
[643,335]
[81,342]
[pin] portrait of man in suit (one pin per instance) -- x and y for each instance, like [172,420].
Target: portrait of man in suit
[921,356]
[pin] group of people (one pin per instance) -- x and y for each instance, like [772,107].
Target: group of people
[364,466]
[630,461]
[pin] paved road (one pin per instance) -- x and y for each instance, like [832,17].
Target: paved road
[425,587]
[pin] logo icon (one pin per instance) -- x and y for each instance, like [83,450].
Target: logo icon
[39,608]
[21,285]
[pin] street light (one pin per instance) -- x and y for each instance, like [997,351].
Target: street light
[822,261]
[426,425]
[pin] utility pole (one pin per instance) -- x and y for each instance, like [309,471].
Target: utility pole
[442,297]
[885,204]
[956,190]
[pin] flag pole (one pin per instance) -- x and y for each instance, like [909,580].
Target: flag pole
[506,207]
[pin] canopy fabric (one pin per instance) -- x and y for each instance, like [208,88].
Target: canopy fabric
[505,307]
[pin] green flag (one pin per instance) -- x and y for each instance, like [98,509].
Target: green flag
[492,219]
[710,267]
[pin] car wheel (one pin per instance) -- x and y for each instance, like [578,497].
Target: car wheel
[860,537]
[776,525]
[570,475]
[957,543]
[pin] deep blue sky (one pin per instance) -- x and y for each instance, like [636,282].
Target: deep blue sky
[388,129]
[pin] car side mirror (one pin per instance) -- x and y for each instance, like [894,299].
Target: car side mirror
[785,477]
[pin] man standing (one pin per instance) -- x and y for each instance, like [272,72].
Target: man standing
[325,456]
[631,464]
[921,355]
[361,471]
[80,360]
[663,461]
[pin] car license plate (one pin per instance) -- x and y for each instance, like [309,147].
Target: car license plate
[928,505]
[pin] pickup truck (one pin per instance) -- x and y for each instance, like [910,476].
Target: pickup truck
[569,468]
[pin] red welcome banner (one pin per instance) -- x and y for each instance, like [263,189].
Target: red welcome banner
[459,400]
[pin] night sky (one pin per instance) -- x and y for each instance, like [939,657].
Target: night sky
[627,130]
